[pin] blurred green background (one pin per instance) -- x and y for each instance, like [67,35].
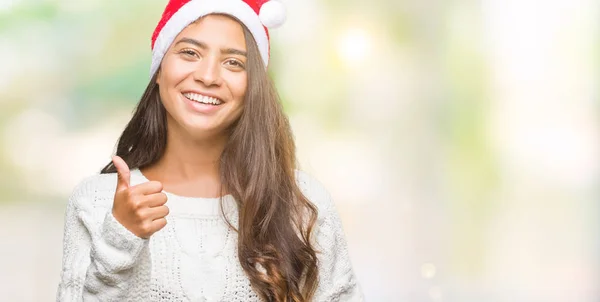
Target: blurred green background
[459,139]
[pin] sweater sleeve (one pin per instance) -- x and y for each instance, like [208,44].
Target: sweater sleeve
[337,282]
[102,260]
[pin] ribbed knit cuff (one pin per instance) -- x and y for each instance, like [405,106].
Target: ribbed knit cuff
[123,246]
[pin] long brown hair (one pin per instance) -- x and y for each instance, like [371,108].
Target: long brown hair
[257,167]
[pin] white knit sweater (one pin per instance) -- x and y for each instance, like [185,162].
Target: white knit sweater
[193,258]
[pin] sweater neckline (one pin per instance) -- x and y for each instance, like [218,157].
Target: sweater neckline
[188,205]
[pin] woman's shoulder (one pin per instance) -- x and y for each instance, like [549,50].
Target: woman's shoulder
[97,182]
[315,191]
[95,188]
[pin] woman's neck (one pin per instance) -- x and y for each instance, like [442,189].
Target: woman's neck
[189,167]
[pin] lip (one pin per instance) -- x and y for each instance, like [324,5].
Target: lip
[212,95]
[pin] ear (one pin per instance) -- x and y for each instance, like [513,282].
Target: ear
[158,76]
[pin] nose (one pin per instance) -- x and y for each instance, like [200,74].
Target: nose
[208,72]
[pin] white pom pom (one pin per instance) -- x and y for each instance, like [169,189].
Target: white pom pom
[272,14]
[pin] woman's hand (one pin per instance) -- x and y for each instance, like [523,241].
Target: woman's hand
[140,208]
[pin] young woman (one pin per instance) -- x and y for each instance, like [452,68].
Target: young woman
[202,201]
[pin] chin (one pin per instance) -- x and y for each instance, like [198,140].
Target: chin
[205,131]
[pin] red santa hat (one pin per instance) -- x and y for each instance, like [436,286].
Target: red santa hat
[256,15]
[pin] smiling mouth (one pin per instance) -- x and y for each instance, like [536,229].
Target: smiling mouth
[202,99]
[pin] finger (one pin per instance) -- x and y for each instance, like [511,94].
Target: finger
[155,200]
[158,212]
[123,173]
[147,188]
[158,224]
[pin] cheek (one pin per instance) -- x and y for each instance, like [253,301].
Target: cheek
[173,71]
[239,86]
[165,98]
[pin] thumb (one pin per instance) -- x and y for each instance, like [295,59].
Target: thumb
[122,173]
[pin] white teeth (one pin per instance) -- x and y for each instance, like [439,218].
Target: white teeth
[202,98]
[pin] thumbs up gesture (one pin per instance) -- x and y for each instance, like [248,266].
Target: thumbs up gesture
[141,208]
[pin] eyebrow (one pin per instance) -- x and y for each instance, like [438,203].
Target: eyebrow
[203,45]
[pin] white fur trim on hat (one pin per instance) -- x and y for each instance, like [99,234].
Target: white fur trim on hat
[195,9]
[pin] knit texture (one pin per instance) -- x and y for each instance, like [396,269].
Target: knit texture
[193,258]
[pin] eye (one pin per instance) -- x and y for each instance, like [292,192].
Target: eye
[188,52]
[234,63]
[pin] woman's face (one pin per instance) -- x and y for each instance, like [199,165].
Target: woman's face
[202,79]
